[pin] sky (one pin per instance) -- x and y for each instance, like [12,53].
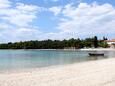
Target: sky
[22,20]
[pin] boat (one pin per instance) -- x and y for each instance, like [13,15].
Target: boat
[96,54]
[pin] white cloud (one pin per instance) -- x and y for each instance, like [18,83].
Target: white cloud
[58,35]
[5,4]
[25,31]
[19,34]
[20,19]
[4,26]
[16,19]
[75,21]
[24,7]
[18,14]
[79,1]
[51,1]
[55,0]
[55,10]
[88,19]
[21,15]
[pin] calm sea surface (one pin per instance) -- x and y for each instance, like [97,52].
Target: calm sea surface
[21,59]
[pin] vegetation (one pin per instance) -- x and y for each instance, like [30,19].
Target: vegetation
[95,42]
[56,44]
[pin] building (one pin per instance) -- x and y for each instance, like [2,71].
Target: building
[111,43]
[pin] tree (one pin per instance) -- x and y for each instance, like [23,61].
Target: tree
[95,42]
[103,44]
[55,44]
[104,38]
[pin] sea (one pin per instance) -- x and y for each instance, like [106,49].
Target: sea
[26,59]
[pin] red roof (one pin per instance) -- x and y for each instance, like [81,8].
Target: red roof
[113,40]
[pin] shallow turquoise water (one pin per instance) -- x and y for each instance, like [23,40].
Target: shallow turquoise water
[19,59]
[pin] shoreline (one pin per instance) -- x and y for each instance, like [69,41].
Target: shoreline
[82,49]
[91,73]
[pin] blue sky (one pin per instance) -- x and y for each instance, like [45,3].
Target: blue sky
[22,20]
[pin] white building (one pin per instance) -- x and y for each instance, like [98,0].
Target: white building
[111,43]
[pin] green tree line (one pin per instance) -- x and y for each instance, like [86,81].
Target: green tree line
[56,44]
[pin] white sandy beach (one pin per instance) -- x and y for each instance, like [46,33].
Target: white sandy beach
[93,73]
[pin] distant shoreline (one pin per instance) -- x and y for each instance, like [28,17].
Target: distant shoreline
[82,49]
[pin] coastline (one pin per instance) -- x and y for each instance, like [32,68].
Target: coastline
[82,49]
[92,73]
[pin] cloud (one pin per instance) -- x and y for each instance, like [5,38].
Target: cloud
[4,26]
[88,19]
[5,4]
[56,10]
[55,0]
[19,34]
[18,14]
[21,15]
[51,1]
[16,19]
[79,1]
[58,35]
[24,7]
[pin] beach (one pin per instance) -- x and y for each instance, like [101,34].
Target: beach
[91,73]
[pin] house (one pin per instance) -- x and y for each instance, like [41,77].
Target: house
[111,43]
